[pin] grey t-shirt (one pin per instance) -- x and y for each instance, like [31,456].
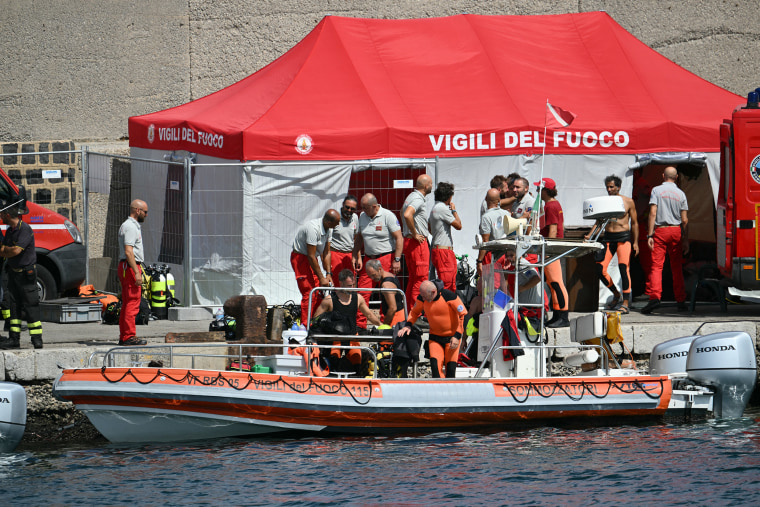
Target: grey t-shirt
[441,218]
[417,201]
[670,201]
[343,234]
[524,205]
[492,222]
[311,233]
[377,232]
[130,233]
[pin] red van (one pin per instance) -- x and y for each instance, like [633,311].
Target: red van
[739,196]
[61,255]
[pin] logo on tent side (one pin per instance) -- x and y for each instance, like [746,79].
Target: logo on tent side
[151,133]
[754,169]
[304,144]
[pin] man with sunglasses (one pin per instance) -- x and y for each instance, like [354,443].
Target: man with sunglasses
[130,271]
[342,244]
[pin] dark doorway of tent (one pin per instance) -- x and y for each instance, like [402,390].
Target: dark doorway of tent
[391,186]
[694,180]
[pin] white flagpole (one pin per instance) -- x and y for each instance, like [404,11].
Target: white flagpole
[537,213]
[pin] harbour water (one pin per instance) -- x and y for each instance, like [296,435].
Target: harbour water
[706,463]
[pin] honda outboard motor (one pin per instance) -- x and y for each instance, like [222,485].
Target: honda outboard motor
[670,356]
[724,361]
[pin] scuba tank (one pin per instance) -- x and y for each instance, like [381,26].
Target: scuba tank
[171,298]
[158,292]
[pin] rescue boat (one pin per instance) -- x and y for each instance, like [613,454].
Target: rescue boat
[180,392]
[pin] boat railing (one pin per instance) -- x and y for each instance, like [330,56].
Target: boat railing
[379,290]
[489,357]
[202,355]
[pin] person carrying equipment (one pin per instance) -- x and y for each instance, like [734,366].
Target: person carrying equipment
[445,314]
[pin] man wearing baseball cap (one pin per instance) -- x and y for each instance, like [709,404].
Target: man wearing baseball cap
[552,226]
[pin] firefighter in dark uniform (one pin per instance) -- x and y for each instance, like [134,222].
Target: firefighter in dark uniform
[18,248]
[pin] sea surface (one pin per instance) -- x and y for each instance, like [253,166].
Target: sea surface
[715,463]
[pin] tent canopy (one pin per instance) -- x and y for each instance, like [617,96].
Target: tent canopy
[459,86]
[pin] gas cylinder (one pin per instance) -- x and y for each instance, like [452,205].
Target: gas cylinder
[158,294]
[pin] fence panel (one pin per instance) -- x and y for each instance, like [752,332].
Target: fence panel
[113,182]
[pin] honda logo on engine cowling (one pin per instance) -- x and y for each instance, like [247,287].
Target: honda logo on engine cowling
[718,348]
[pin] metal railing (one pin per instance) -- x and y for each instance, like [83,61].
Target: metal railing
[141,356]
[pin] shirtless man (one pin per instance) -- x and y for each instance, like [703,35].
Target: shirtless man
[620,236]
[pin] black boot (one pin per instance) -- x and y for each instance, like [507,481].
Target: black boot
[10,343]
[37,341]
[562,320]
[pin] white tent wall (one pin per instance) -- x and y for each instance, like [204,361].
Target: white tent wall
[283,197]
[244,216]
[217,220]
[578,177]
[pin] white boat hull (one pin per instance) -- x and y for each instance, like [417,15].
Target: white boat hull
[177,405]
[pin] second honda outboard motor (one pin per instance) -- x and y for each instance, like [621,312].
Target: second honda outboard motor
[723,361]
[726,362]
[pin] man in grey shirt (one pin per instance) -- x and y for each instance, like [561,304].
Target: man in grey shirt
[524,200]
[442,218]
[342,243]
[131,256]
[667,233]
[416,247]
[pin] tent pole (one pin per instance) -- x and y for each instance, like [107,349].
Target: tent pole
[188,261]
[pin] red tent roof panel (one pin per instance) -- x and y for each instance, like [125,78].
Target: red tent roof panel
[455,86]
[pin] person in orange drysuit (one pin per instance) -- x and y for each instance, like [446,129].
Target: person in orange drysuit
[445,314]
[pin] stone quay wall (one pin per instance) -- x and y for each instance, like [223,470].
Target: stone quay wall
[78,69]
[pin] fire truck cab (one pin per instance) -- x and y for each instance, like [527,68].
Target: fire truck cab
[61,254]
[738,210]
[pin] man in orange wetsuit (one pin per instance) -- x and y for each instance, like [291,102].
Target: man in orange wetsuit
[445,314]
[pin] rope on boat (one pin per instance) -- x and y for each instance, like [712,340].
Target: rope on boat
[585,388]
[220,379]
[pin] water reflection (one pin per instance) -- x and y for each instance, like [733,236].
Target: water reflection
[710,462]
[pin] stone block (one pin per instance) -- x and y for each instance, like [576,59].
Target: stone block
[28,159]
[646,336]
[196,337]
[10,148]
[15,176]
[61,195]
[250,313]
[49,362]
[99,267]
[183,313]
[20,365]
[34,177]
[741,325]
[44,147]
[560,338]
[62,158]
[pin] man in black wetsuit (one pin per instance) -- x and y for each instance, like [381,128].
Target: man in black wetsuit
[347,303]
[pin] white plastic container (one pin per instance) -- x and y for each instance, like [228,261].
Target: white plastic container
[298,334]
[285,364]
[465,372]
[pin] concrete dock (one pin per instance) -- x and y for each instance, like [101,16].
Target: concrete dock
[70,345]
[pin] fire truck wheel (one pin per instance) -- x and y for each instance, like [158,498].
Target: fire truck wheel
[46,284]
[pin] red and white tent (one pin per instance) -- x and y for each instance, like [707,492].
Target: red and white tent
[468,89]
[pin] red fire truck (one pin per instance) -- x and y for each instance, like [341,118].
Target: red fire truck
[738,212]
[61,255]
